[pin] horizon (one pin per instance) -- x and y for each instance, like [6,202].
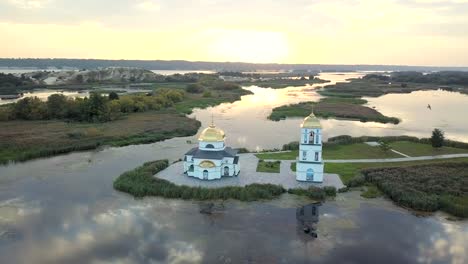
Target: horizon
[227,62]
[428,33]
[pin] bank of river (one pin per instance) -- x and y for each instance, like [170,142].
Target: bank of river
[64,209]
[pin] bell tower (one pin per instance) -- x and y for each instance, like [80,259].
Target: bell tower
[309,164]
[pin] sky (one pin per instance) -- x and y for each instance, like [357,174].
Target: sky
[397,32]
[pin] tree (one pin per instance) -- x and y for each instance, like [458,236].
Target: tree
[437,139]
[29,108]
[384,146]
[194,88]
[79,78]
[57,106]
[113,96]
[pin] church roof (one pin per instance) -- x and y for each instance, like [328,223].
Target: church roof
[212,134]
[311,122]
[214,155]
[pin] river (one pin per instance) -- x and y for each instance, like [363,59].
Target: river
[64,210]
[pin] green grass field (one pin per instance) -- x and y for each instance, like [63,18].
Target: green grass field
[353,151]
[267,166]
[416,149]
[24,140]
[333,107]
[348,170]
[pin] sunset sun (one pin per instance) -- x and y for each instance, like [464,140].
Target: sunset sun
[249,46]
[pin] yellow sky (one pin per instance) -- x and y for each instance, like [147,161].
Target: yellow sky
[419,32]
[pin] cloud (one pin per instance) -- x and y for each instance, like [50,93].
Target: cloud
[29,4]
[148,5]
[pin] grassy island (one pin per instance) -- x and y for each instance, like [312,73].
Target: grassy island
[141,182]
[374,85]
[21,141]
[280,83]
[343,108]
[32,128]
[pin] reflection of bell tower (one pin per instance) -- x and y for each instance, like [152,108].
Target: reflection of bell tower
[309,166]
[307,218]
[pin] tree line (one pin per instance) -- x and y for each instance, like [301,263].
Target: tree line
[441,78]
[95,108]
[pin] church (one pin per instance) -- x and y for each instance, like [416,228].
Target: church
[211,160]
[309,166]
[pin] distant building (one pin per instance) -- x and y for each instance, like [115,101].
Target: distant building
[309,166]
[211,159]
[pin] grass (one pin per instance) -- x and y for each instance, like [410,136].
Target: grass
[356,151]
[268,166]
[416,149]
[296,110]
[140,182]
[430,187]
[288,155]
[283,83]
[375,88]
[24,140]
[347,171]
[293,166]
[315,193]
[371,192]
[199,101]
[333,107]
[336,151]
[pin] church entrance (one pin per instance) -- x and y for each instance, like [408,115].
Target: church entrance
[226,171]
[310,175]
[205,175]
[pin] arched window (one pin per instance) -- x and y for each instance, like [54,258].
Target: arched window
[226,171]
[191,168]
[205,175]
[312,137]
[316,156]
[304,155]
[210,146]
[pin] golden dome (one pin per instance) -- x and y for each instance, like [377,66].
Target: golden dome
[207,164]
[311,122]
[212,134]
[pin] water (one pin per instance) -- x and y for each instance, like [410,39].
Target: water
[64,210]
[246,125]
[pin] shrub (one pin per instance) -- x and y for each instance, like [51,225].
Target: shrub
[356,181]
[194,88]
[291,146]
[207,94]
[314,193]
[329,191]
[425,187]
[140,182]
[113,96]
[437,139]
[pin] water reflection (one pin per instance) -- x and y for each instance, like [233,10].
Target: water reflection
[246,123]
[307,218]
[64,210]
